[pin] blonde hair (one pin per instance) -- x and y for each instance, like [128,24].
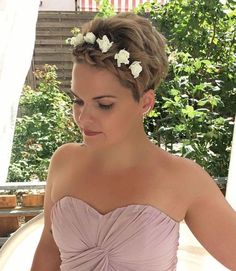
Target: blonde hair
[135,34]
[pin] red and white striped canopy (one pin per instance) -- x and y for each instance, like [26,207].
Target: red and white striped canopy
[119,5]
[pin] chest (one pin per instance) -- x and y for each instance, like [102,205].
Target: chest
[113,239]
[108,191]
[133,183]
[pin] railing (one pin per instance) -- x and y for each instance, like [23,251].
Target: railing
[20,211]
[22,185]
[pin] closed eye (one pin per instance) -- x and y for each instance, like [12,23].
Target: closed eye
[105,106]
[102,106]
[76,101]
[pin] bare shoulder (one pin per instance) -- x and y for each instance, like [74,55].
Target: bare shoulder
[208,215]
[65,154]
[193,177]
[66,150]
[59,163]
[187,182]
[60,160]
[196,182]
[184,173]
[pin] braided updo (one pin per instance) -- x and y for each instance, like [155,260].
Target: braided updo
[134,34]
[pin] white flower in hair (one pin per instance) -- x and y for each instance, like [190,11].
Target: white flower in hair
[77,40]
[90,38]
[135,68]
[122,57]
[104,43]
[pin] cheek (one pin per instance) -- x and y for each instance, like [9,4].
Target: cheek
[120,122]
[75,113]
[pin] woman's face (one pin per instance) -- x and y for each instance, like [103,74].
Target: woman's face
[104,110]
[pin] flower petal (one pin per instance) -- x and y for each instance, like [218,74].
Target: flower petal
[104,43]
[90,37]
[135,68]
[122,57]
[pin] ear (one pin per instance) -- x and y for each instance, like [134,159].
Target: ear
[147,101]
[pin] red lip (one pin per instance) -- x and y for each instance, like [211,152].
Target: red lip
[90,133]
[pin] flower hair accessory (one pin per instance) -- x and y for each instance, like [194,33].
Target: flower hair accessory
[104,44]
[77,40]
[90,38]
[122,57]
[135,68]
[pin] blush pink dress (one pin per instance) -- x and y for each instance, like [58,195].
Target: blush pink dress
[130,238]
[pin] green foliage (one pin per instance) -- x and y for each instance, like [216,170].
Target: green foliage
[44,123]
[196,104]
[106,9]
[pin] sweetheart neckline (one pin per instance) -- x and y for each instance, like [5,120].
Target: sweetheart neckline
[114,210]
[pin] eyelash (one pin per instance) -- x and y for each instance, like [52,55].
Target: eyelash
[102,106]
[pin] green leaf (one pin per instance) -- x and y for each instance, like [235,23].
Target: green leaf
[202,102]
[189,111]
[174,92]
[197,64]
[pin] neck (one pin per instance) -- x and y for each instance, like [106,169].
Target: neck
[122,155]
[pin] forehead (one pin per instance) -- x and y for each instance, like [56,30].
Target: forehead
[87,79]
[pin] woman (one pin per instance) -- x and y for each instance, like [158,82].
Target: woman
[115,201]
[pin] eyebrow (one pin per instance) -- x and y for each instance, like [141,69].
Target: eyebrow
[95,98]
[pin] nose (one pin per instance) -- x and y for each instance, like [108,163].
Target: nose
[83,115]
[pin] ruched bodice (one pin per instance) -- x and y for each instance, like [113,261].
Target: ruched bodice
[130,238]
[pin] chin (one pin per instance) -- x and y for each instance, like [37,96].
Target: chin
[92,142]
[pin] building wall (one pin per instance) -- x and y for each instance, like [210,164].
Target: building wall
[57,5]
[52,29]
[89,5]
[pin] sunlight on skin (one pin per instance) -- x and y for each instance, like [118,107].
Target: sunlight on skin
[192,256]
[231,184]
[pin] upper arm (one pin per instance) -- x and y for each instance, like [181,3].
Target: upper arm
[56,164]
[47,256]
[211,219]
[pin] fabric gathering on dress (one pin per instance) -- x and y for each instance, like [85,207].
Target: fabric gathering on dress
[130,238]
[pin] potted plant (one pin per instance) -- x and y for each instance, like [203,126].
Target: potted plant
[8,223]
[34,198]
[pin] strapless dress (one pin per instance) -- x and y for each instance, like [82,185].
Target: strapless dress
[130,238]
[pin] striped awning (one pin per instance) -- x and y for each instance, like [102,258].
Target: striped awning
[119,5]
